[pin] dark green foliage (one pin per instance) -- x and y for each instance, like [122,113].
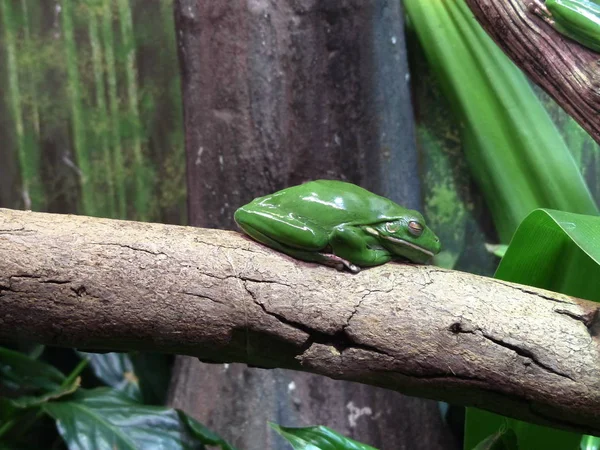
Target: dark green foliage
[318,438]
[104,417]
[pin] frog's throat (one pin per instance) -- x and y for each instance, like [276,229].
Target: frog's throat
[408,244]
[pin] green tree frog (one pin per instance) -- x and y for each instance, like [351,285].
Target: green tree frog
[576,19]
[338,224]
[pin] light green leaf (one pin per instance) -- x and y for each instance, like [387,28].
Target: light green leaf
[590,443]
[498,250]
[502,440]
[557,251]
[318,438]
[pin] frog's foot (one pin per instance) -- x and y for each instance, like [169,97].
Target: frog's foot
[329,259]
[539,7]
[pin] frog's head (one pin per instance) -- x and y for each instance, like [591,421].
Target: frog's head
[408,237]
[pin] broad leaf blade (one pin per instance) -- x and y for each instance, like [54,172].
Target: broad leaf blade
[502,440]
[142,376]
[20,372]
[104,418]
[28,401]
[480,424]
[318,438]
[558,251]
[116,370]
[204,434]
[590,443]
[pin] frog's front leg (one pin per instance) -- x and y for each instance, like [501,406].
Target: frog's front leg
[352,243]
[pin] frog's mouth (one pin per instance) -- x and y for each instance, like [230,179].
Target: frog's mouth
[399,241]
[408,244]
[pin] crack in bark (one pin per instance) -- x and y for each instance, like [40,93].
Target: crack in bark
[355,310]
[340,340]
[39,279]
[591,319]
[15,230]
[578,317]
[438,376]
[131,247]
[204,297]
[457,328]
[256,280]
[243,278]
[533,292]
[359,303]
[526,353]
[221,246]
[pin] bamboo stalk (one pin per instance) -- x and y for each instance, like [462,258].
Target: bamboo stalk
[113,105]
[31,116]
[106,173]
[35,113]
[175,159]
[31,191]
[142,194]
[77,113]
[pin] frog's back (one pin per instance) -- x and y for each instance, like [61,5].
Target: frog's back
[332,202]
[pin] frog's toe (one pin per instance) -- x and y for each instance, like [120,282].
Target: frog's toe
[339,263]
[353,268]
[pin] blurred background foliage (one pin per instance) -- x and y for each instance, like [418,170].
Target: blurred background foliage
[90,109]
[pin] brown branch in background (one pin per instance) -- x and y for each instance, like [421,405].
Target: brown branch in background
[567,71]
[104,284]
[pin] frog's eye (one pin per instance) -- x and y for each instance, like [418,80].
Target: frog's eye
[415,228]
[392,227]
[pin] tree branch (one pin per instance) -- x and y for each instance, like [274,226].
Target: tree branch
[105,284]
[567,71]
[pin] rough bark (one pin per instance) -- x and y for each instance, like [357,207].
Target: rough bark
[566,70]
[275,93]
[424,331]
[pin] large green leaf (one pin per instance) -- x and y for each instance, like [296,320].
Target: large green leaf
[481,424]
[502,440]
[105,418]
[19,372]
[318,438]
[590,443]
[116,370]
[204,434]
[29,401]
[558,251]
[153,370]
[141,375]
